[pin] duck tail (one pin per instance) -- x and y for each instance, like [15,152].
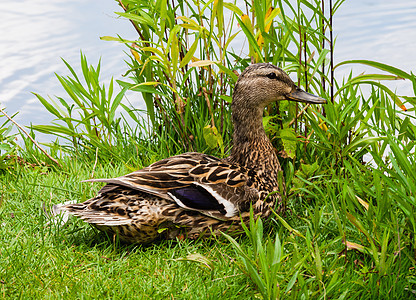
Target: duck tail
[57,214]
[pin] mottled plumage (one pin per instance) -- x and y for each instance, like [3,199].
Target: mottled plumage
[195,194]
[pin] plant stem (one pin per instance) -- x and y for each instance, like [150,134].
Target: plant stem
[323,45]
[28,135]
[134,24]
[331,40]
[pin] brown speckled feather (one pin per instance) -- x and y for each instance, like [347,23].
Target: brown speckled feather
[194,194]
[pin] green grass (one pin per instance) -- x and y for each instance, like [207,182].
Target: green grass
[76,261]
[349,230]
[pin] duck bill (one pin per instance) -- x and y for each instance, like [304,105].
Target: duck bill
[302,96]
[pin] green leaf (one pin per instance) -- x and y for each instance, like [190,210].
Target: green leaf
[48,106]
[260,13]
[54,129]
[308,170]
[160,230]
[116,103]
[358,225]
[174,53]
[212,137]
[318,263]
[155,51]
[401,157]
[250,37]
[229,40]
[5,147]
[173,35]
[291,282]
[226,98]
[227,71]
[377,65]
[163,15]
[289,141]
[188,56]
[364,142]
[364,77]
[139,19]
[189,23]
[287,226]
[266,121]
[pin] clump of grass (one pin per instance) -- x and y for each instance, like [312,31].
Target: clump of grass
[263,261]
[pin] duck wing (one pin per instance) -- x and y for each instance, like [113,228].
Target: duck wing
[194,181]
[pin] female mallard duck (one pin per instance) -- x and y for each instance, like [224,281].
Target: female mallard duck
[194,194]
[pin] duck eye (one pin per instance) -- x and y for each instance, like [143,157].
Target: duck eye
[271,75]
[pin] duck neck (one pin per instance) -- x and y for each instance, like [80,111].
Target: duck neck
[252,148]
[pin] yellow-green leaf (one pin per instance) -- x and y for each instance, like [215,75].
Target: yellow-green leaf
[212,137]
[354,246]
[174,54]
[116,39]
[247,22]
[270,15]
[247,28]
[189,23]
[362,202]
[202,63]
[218,11]
[198,258]
[233,8]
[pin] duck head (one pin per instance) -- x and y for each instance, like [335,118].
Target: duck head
[261,84]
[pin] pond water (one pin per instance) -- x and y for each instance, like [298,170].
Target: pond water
[35,34]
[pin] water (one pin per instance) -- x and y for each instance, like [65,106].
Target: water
[379,30]
[34,34]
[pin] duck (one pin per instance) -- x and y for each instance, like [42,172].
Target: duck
[194,195]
